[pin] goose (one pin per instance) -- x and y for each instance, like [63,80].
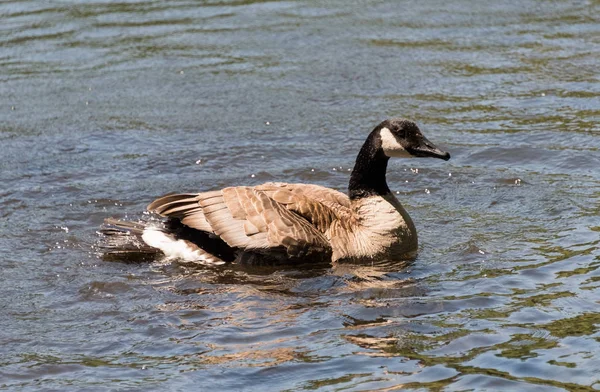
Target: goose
[288,222]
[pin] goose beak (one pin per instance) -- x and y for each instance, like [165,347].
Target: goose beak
[426,149]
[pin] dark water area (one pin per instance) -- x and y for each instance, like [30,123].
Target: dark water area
[105,106]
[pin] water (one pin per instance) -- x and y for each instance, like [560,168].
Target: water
[105,106]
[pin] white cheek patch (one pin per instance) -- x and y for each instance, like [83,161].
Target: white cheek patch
[390,145]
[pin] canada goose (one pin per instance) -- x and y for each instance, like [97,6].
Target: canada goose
[282,222]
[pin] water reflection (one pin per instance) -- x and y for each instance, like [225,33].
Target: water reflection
[305,279]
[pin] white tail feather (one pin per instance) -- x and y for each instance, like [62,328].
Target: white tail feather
[177,249]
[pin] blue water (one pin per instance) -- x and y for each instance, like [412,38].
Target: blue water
[105,106]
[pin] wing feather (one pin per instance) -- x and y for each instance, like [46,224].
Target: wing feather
[253,221]
[184,207]
[319,205]
[291,219]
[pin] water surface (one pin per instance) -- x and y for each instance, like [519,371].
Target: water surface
[106,105]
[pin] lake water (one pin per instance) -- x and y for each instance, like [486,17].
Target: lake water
[106,105]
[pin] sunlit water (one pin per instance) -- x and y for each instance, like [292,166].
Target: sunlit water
[106,105]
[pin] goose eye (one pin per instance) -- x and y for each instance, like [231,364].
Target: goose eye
[401,133]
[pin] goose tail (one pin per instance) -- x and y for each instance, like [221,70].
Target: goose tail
[132,242]
[122,241]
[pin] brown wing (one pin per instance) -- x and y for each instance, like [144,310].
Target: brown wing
[311,191]
[245,218]
[183,206]
[319,205]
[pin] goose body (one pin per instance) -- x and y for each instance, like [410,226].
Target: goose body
[283,222]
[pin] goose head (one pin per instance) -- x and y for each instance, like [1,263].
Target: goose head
[396,137]
[401,138]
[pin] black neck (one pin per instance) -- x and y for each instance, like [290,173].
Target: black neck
[368,176]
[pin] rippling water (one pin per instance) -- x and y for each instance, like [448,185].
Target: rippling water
[106,105]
